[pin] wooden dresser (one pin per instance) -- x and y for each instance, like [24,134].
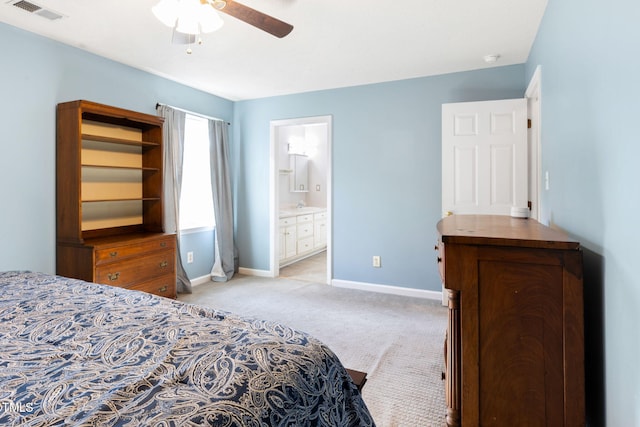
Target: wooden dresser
[109,198]
[145,262]
[515,341]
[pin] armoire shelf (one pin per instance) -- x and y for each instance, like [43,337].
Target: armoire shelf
[112,140]
[107,158]
[109,185]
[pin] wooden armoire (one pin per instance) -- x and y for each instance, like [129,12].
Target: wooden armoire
[109,195]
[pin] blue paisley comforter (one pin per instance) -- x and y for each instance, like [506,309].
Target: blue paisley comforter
[77,353]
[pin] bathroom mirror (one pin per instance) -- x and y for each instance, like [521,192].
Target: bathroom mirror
[299,164]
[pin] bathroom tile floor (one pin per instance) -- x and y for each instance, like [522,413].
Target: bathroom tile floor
[312,269]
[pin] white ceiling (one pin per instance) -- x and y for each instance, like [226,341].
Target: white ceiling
[334,43]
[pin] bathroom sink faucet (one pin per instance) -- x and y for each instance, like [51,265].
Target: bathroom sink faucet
[300,204]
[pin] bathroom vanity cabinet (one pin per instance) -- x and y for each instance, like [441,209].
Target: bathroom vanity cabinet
[515,345]
[301,234]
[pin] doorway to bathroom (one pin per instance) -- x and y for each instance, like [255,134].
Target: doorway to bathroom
[300,198]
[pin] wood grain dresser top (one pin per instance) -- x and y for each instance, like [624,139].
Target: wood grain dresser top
[499,230]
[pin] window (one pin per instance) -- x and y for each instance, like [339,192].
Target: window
[196,203]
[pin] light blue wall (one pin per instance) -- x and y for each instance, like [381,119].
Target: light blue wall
[386,170]
[589,57]
[386,165]
[35,75]
[201,244]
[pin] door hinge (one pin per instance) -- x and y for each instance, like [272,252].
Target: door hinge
[528,123]
[529,204]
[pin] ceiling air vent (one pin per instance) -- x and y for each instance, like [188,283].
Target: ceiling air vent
[38,10]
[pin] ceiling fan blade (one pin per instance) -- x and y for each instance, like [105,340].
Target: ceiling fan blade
[259,20]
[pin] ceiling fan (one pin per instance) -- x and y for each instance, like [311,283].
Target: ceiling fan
[251,16]
[192,18]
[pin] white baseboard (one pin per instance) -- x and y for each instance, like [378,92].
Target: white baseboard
[371,287]
[253,272]
[200,280]
[386,289]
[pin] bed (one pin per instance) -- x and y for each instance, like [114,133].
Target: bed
[78,353]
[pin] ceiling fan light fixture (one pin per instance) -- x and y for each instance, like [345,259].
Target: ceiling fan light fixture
[218,4]
[188,21]
[210,20]
[188,16]
[167,12]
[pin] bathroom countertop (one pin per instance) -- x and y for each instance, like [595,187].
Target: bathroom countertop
[284,213]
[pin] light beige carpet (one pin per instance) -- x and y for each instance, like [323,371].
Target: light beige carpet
[397,340]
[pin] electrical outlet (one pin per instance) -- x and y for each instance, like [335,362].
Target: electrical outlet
[189,257]
[376,261]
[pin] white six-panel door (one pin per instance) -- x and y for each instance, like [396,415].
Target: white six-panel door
[484,157]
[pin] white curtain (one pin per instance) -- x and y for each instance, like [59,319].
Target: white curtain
[173,137]
[224,246]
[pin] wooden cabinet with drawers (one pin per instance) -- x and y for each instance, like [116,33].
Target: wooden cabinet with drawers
[145,262]
[515,344]
[109,198]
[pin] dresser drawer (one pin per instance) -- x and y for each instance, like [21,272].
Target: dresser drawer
[304,230]
[163,286]
[132,271]
[130,249]
[290,220]
[305,245]
[318,216]
[304,218]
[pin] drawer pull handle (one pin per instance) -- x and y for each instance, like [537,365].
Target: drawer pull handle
[436,248]
[162,289]
[114,253]
[163,264]
[163,244]
[113,276]
[439,259]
